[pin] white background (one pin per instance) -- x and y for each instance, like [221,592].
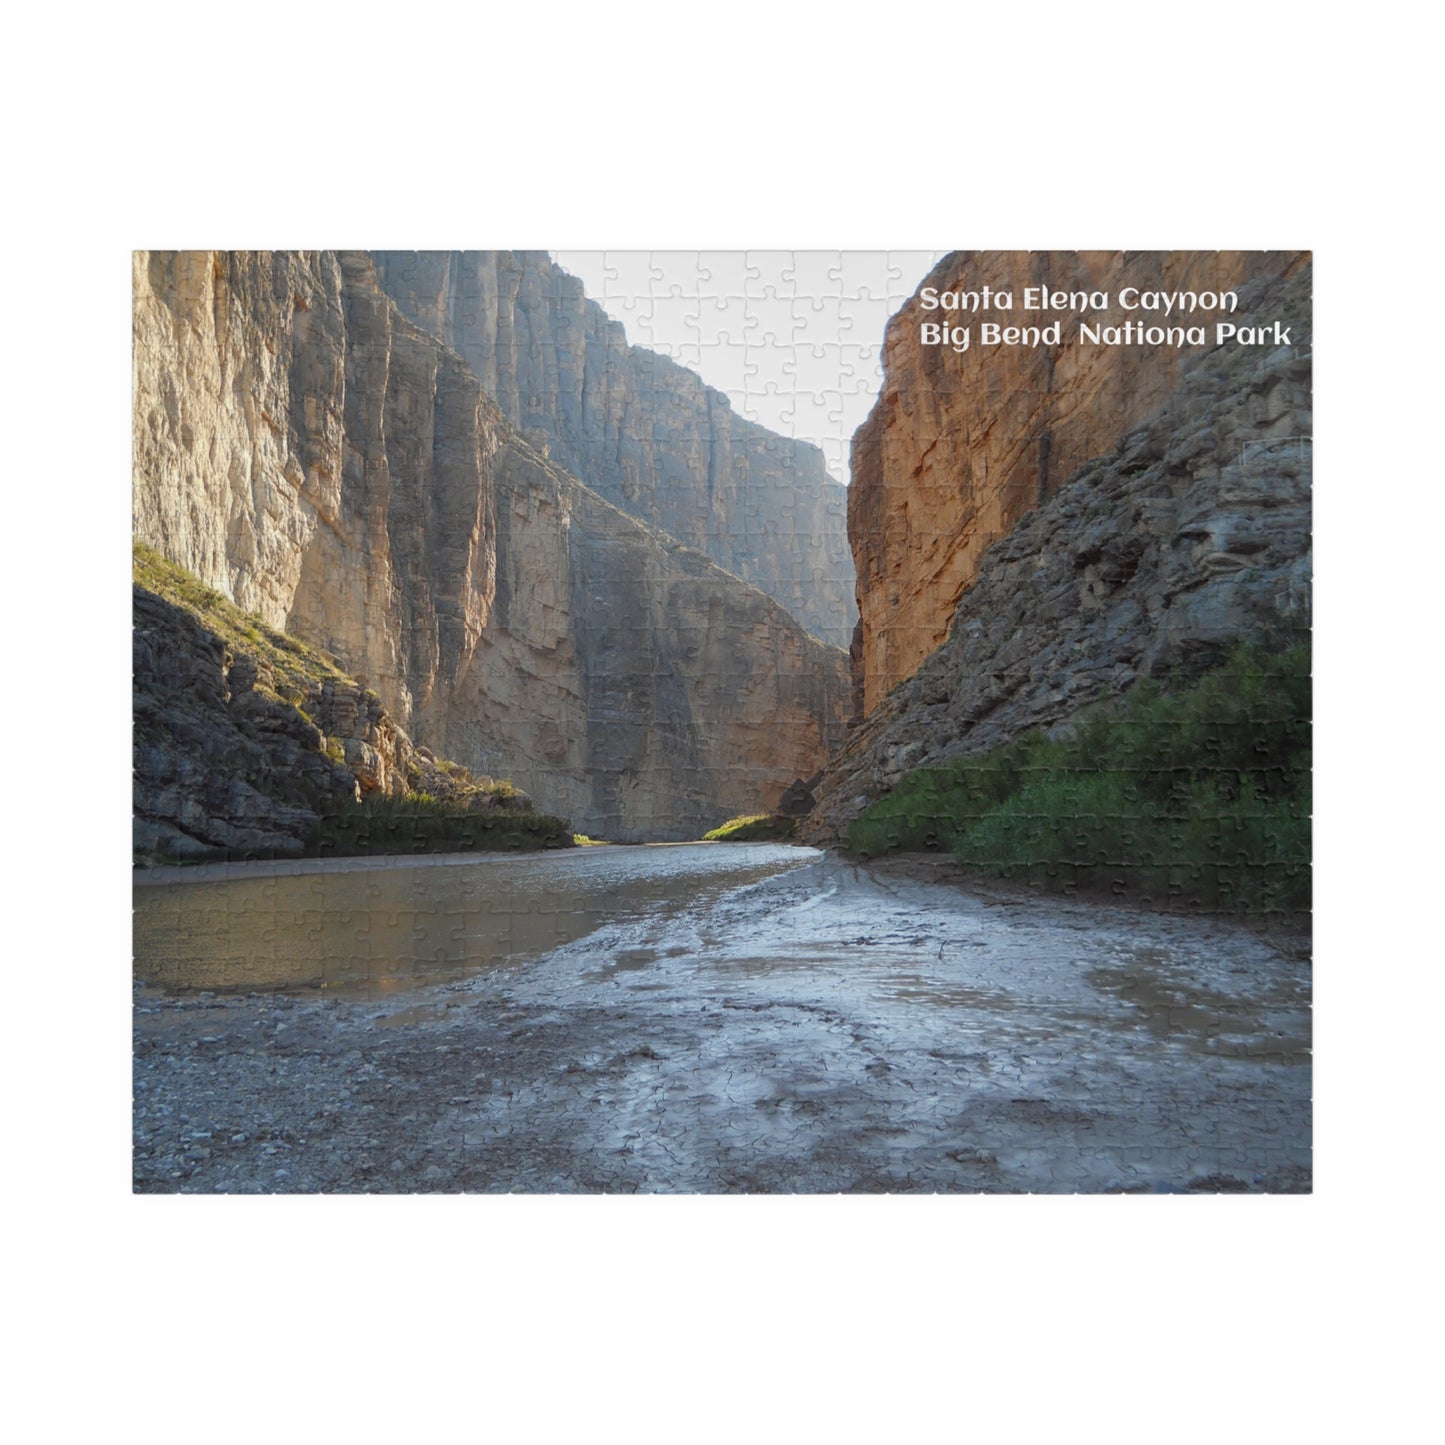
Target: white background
[753,126]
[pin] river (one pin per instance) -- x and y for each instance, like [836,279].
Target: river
[704,1017]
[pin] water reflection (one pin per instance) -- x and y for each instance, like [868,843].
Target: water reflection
[370,927]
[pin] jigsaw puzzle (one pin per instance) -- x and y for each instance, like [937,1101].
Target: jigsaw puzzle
[722,722]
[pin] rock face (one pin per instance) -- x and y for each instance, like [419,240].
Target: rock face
[635,427]
[1192,532]
[305,450]
[961,445]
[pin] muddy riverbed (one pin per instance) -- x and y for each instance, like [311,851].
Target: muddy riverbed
[702,1018]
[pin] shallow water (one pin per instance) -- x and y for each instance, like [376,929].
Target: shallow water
[722,1019]
[363,928]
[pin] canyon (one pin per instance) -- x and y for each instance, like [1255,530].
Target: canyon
[341,474]
[1035,533]
[564,560]
[457,531]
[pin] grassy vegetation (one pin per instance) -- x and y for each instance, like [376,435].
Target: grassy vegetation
[755,828]
[419,823]
[1198,792]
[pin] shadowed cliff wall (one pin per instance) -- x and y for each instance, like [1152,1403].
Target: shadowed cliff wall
[307,451]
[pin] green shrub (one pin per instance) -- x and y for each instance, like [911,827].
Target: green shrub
[418,823]
[754,828]
[1196,792]
[929,807]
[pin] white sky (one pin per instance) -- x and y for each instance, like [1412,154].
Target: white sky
[793,337]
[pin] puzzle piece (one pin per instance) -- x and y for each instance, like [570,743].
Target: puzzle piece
[470,525]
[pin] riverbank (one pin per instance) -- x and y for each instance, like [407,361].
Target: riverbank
[1291,932]
[828,1028]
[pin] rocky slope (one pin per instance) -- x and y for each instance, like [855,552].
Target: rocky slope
[1193,531]
[220,764]
[642,431]
[308,452]
[961,445]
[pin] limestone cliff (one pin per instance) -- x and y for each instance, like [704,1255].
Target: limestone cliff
[1191,532]
[642,431]
[307,451]
[961,445]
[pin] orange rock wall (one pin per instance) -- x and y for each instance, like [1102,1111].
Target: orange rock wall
[961,445]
